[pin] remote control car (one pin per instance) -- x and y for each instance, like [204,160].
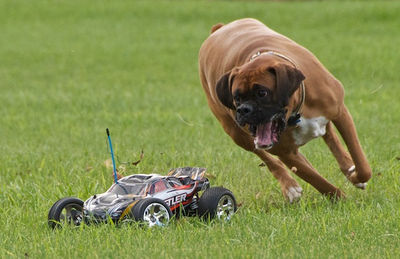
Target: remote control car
[151,199]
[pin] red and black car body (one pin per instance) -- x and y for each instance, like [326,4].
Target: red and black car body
[179,190]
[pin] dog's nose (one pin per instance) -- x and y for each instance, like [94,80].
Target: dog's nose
[244,109]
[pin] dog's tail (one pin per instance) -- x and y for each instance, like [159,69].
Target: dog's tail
[216,27]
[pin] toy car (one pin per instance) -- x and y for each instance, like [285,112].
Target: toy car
[151,199]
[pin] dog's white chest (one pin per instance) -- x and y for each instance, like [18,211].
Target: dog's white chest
[307,129]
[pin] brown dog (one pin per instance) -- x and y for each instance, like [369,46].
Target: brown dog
[272,96]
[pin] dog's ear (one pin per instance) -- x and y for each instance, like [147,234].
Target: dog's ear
[224,90]
[288,80]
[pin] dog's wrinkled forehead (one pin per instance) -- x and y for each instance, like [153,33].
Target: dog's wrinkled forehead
[254,73]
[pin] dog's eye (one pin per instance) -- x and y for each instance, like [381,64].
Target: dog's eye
[236,99]
[262,93]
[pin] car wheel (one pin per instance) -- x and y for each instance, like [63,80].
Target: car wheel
[217,202]
[66,211]
[152,212]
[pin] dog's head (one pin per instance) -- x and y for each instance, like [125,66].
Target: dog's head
[259,93]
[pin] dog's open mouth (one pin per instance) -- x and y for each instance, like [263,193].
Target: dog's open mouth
[267,134]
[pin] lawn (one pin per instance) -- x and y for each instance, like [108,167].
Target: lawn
[70,69]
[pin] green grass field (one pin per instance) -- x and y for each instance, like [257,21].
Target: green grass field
[70,69]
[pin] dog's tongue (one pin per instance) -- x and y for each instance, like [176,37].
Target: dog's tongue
[264,137]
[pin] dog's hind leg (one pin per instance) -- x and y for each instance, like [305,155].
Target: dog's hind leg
[305,171]
[362,171]
[343,158]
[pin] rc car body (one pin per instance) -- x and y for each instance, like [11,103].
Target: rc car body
[149,198]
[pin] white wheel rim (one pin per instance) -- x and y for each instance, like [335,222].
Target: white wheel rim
[70,214]
[225,207]
[156,214]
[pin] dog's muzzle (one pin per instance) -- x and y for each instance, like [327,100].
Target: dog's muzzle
[265,126]
[267,134]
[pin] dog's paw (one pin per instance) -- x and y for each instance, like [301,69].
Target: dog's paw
[352,176]
[293,194]
[361,185]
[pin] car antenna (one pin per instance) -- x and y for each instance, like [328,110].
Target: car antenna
[112,157]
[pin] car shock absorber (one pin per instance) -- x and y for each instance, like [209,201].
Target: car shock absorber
[194,205]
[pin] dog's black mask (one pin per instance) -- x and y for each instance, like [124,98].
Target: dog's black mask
[254,114]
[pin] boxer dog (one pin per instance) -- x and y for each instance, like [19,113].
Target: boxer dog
[272,96]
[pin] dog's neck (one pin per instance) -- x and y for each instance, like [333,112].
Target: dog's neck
[294,117]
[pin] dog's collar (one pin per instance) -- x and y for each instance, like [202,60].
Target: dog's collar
[295,116]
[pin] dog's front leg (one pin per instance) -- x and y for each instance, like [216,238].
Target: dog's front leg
[290,188]
[305,171]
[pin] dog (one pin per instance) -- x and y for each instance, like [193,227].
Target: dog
[272,96]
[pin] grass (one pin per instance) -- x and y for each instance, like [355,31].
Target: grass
[69,69]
